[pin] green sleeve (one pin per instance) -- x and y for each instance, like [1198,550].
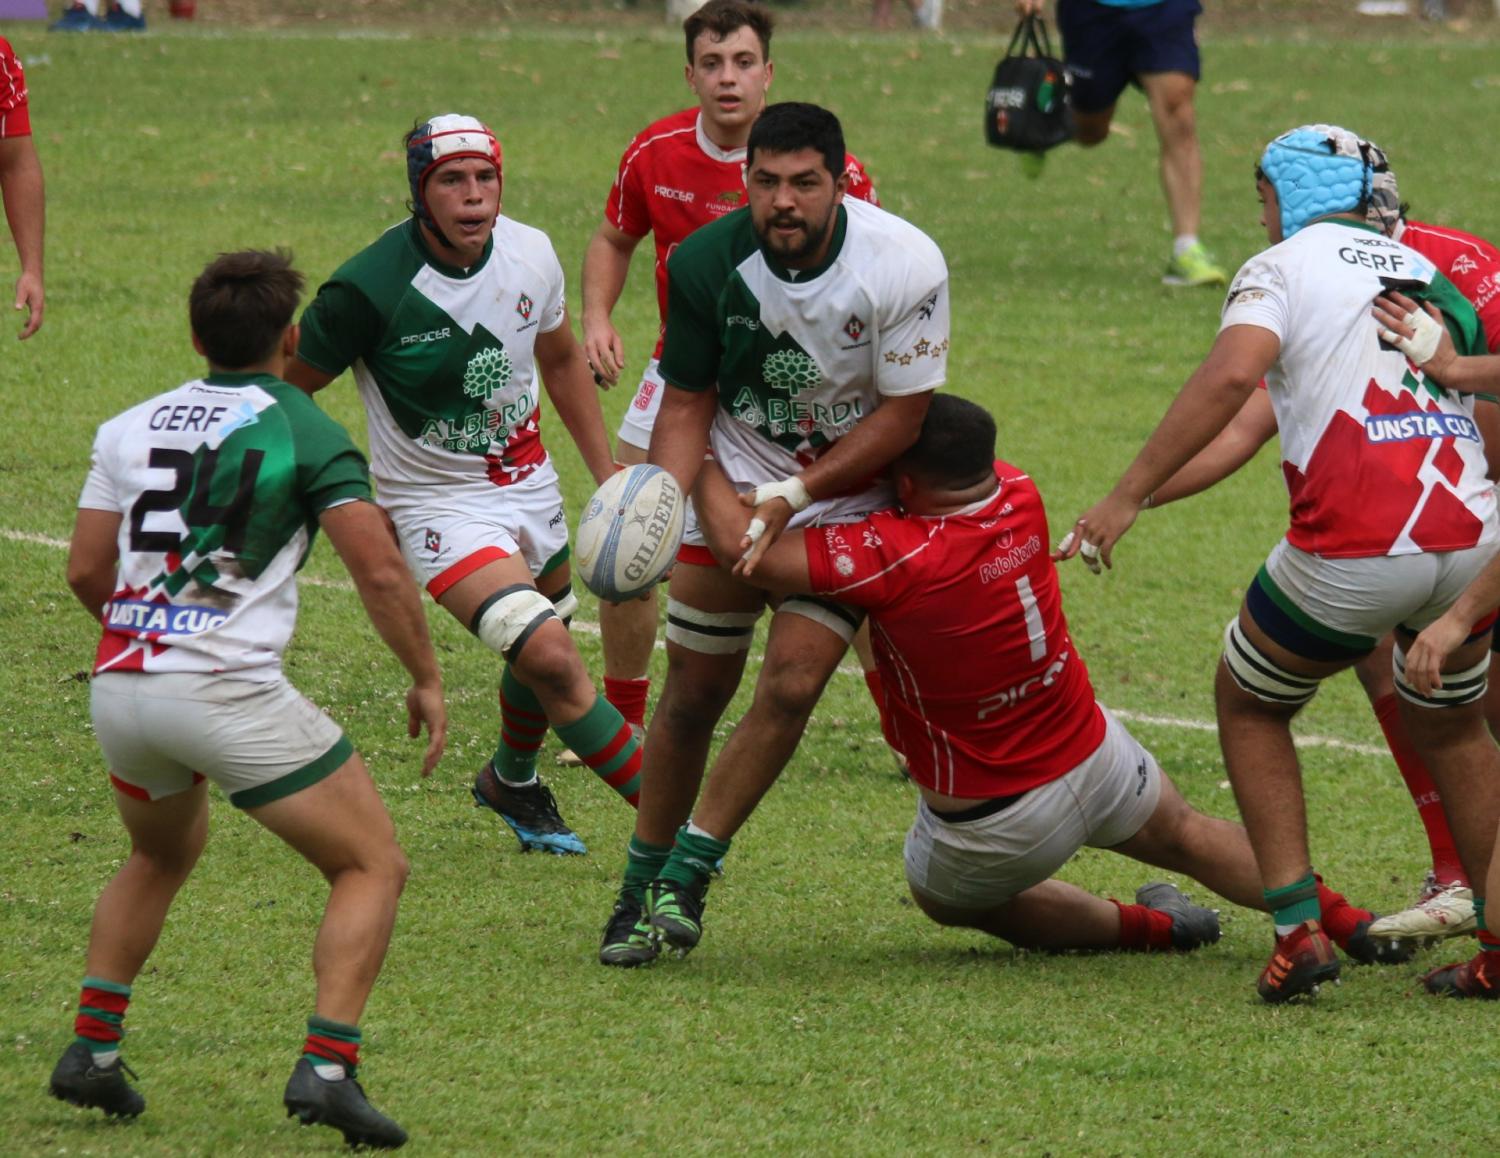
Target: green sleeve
[1458,313]
[330,468]
[691,348]
[340,325]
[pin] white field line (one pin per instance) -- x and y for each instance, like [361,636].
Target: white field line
[588,627]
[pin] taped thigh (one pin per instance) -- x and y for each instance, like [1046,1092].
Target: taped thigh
[1260,675]
[509,617]
[710,632]
[1459,687]
[839,618]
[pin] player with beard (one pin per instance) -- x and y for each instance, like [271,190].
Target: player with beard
[678,174]
[450,321]
[804,336]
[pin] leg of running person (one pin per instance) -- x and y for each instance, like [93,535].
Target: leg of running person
[545,683]
[1445,907]
[1170,97]
[801,653]
[710,627]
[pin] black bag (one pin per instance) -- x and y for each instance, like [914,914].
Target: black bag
[1028,107]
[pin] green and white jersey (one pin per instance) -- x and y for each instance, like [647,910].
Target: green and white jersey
[800,356]
[219,484]
[443,356]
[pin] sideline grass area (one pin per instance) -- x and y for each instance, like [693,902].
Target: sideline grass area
[822,1012]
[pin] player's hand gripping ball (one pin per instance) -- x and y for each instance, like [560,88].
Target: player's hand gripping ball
[629,533]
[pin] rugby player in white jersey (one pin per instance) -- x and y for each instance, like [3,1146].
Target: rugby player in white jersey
[804,337]
[451,320]
[1391,517]
[199,508]
[678,174]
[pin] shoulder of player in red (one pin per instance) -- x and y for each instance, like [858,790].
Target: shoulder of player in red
[1470,262]
[891,557]
[860,185]
[15,114]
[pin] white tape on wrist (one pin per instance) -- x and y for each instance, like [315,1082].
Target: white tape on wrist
[790,489]
[1427,334]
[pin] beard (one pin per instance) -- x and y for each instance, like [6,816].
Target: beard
[795,247]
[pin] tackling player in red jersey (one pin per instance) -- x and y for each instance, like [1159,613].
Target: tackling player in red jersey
[1017,763]
[679,174]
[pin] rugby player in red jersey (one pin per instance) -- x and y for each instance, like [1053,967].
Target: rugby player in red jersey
[678,174]
[21,186]
[1018,765]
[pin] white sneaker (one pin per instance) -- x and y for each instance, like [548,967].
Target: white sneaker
[1445,911]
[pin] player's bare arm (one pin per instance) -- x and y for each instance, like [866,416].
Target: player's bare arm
[1232,448]
[570,384]
[782,569]
[307,378]
[1214,393]
[92,556]
[361,535]
[680,435]
[1420,332]
[25,212]
[869,448]
[606,263]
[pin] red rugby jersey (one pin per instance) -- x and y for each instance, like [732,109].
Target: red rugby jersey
[985,692]
[15,113]
[1471,263]
[673,179]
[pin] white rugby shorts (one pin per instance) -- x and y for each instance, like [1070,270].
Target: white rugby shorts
[447,533]
[640,415]
[1370,596]
[980,864]
[258,741]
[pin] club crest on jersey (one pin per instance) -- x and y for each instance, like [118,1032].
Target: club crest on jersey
[730,197]
[1464,264]
[523,307]
[432,540]
[488,371]
[854,327]
[792,371]
[844,565]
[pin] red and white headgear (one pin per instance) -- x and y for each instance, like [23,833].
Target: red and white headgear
[444,138]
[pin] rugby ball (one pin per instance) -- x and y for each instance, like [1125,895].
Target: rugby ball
[629,533]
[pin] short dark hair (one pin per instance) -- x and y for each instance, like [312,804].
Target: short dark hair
[794,125]
[721,17]
[956,445]
[242,303]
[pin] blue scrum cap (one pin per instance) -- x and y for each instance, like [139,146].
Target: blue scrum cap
[1317,170]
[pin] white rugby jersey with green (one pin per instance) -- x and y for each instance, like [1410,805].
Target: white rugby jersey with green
[799,357]
[443,356]
[220,483]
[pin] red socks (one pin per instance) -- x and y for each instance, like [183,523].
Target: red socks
[628,698]
[1446,866]
[1143,930]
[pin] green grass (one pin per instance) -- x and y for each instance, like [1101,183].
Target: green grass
[822,1012]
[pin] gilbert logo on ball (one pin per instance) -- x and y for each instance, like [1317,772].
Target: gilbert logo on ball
[629,533]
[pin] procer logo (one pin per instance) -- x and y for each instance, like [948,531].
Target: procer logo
[671,194]
[429,336]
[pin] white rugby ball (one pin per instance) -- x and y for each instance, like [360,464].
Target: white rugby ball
[629,533]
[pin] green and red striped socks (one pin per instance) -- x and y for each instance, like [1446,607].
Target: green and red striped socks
[523,724]
[603,740]
[101,1013]
[332,1048]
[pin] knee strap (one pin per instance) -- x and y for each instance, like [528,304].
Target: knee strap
[1459,687]
[710,632]
[565,603]
[509,617]
[839,618]
[1261,676]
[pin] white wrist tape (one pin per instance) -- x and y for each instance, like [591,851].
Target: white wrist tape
[1426,336]
[791,489]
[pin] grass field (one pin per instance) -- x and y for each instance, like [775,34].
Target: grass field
[822,1013]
